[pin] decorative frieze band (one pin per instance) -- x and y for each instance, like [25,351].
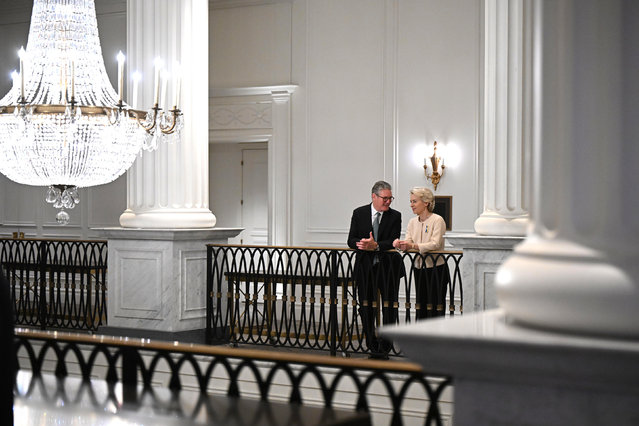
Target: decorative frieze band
[240,116]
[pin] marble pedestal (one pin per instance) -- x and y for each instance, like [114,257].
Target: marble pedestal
[508,374]
[157,277]
[483,255]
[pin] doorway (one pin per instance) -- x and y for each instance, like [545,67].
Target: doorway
[254,196]
[238,189]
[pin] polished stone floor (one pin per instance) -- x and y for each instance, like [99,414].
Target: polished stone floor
[51,401]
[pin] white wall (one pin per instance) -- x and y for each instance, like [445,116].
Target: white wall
[22,207]
[438,82]
[250,46]
[377,80]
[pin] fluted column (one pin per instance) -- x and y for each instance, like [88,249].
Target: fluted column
[579,270]
[507,97]
[168,188]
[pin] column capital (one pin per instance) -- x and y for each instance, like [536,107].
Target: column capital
[281,96]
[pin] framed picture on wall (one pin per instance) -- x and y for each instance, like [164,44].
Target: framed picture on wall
[444,208]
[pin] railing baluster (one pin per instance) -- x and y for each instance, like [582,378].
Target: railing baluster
[42,306]
[209,291]
[333,303]
[129,375]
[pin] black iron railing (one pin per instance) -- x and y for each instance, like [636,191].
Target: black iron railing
[324,298]
[56,283]
[137,363]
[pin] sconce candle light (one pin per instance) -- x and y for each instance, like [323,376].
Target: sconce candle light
[437,163]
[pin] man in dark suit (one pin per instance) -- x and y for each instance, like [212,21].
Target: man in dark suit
[373,229]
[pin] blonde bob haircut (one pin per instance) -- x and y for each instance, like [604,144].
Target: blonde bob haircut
[426,195]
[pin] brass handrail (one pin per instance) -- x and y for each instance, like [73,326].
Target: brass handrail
[221,351]
[322,248]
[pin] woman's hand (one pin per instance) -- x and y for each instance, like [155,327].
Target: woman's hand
[404,245]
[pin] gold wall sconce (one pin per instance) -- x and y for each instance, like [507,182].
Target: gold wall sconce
[437,164]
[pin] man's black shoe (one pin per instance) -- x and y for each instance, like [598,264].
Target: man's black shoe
[385,346]
[378,355]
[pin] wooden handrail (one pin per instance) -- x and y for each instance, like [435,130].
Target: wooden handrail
[222,351]
[324,248]
[61,240]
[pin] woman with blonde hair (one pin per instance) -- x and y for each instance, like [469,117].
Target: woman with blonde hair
[425,233]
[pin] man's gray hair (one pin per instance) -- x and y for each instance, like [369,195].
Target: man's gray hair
[380,185]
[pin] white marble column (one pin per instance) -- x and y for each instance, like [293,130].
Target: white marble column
[578,271]
[168,188]
[157,260]
[507,127]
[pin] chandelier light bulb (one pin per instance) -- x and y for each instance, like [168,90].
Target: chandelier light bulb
[120,59]
[177,75]
[64,126]
[21,54]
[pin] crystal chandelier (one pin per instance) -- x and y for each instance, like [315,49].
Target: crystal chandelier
[62,124]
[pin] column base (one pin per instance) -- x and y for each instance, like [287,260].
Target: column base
[157,278]
[561,285]
[168,219]
[490,223]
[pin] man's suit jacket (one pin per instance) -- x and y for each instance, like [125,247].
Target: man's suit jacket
[390,227]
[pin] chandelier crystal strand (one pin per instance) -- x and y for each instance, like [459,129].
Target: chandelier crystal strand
[62,125]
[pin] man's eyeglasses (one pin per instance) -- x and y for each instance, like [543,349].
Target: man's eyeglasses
[386,199]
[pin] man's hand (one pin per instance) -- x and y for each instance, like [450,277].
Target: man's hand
[368,244]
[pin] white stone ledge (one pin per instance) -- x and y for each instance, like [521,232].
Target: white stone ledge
[217,234]
[487,346]
[482,241]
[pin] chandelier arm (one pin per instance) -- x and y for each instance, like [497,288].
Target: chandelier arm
[152,125]
[60,109]
[108,116]
[171,129]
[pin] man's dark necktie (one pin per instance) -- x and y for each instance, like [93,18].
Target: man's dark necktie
[376,225]
[375,232]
